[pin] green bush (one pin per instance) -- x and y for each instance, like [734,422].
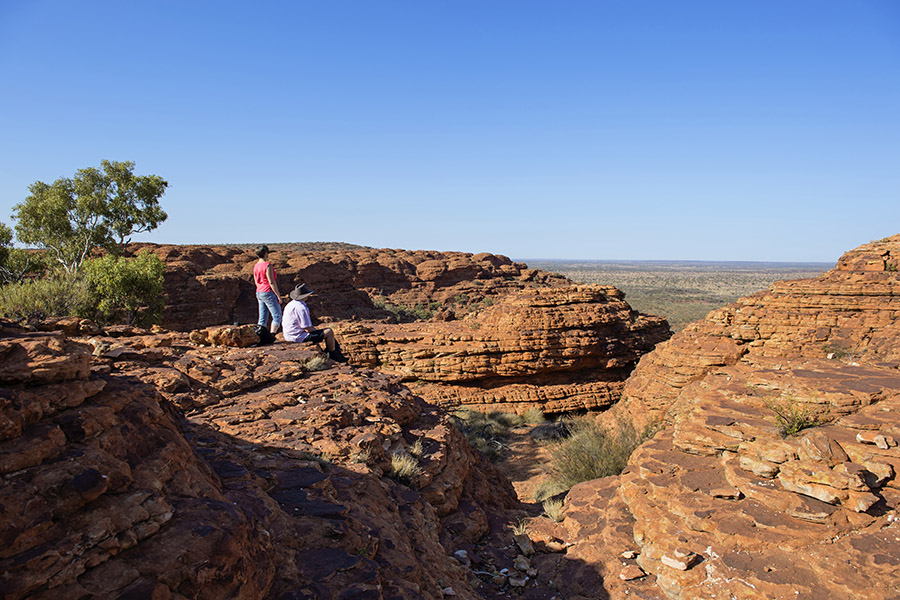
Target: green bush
[591,452]
[127,289]
[403,314]
[791,415]
[41,298]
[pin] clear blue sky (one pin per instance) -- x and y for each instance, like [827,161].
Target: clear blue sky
[718,130]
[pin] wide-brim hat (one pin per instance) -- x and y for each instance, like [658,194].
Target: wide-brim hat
[301,292]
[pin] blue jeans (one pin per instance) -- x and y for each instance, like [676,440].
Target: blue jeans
[269,305]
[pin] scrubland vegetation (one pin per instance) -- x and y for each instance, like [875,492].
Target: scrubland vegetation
[82,225]
[681,291]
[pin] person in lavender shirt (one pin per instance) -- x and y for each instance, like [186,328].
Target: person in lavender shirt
[298,325]
[267,293]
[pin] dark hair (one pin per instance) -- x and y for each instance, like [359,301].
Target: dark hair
[262,251]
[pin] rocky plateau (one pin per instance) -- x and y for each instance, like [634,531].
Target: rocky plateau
[182,462]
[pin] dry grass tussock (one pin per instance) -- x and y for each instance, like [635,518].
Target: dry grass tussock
[488,432]
[405,467]
[589,452]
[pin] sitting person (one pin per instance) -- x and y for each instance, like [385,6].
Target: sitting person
[297,324]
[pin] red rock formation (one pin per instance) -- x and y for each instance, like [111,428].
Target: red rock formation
[720,503]
[212,285]
[108,492]
[102,495]
[556,348]
[503,337]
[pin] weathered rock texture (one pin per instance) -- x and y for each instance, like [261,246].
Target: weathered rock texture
[276,486]
[556,348]
[495,335]
[720,504]
[212,285]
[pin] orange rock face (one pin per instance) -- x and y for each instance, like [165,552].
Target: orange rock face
[107,491]
[500,337]
[555,348]
[774,474]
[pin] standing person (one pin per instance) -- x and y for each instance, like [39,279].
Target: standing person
[298,325]
[267,293]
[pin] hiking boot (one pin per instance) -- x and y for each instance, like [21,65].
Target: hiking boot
[337,356]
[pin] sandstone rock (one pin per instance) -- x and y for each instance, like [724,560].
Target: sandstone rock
[235,336]
[813,509]
[631,572]
[503,337]
[108,492]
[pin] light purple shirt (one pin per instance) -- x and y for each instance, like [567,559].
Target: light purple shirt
[296,318]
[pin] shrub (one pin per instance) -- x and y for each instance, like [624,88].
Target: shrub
[41,298]
[553,510]
[592,452]
[316,363]
[521,527]
[791,415]
[403,314]
[405,467]
[127,289]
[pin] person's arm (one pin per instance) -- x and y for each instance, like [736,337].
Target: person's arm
[270,275]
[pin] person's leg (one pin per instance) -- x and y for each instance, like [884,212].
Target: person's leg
[329,339]
[274,308]
[263,310]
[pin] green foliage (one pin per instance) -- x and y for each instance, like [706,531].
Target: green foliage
[127,289]
[791,415]
[591,452]
[42,298]
[15,263]
[5,243]
[95,209]
[403,314]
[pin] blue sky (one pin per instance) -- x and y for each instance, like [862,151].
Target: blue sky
[756,130]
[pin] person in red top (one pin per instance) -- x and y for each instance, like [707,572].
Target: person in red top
[267,290]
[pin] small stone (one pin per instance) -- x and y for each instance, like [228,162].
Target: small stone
[524,544]
[448,591]
[866,437]
[631,572]
[463,557]
[499,579]
[725,492]
[518,580]
[883,441]
[521,563]
[629,554]
[681,560]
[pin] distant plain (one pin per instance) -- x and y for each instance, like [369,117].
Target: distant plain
[681,291]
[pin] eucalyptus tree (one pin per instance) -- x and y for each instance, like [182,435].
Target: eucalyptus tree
[97,208]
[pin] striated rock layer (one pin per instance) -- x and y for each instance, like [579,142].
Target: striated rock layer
[277,485]
[727,501]
[213,285]
[491,334]
[557,349]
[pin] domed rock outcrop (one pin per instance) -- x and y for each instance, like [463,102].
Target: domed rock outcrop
[278,484]
[774,474]
[489,333]
[557,349]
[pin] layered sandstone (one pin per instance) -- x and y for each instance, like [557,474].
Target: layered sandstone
[721,502]
[558,349]
[850,314]
[277,485]
[213,285]
[492,334]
